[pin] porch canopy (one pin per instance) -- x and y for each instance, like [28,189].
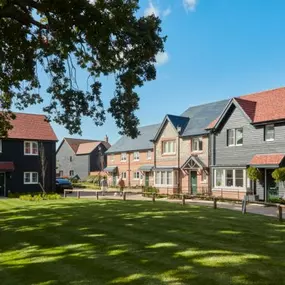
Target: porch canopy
[146,168]
[165,168]
[7,166]
[267,160]
[111,169]
[193,162]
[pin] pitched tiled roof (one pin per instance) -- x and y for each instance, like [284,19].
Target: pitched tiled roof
[178,121]
[264,106]
[83,146]
[31,127]
[142,142]
[267,159]
[201,116]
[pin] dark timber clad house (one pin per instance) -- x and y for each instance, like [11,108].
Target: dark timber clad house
[27,156]
[249,132]
[81,157]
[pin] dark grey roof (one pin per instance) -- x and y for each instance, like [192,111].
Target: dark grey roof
[178,121]
[146,167]
[201,116]
[110,169]
[142,142]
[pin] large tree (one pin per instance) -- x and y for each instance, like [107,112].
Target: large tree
[59,36]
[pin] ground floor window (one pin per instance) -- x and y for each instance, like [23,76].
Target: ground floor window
[230,178]
[60,173]
[30,177]
[124,175]
[136,175]
[166,178]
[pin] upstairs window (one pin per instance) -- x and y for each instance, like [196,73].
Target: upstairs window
[31,148]
[269,133]
[169,147]
[71,173]
[136,156]
[70,158]
[148,155]
[112,157]
[123,156]
[235,137]
[197,144]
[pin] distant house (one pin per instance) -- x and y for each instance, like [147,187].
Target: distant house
[81,157]
[249,132]
[27,156]
[132,159]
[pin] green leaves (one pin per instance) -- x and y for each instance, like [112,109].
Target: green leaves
[102,38]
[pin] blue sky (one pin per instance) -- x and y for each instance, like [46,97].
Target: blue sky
[216,49]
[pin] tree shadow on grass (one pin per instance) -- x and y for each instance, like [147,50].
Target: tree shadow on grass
[116,242]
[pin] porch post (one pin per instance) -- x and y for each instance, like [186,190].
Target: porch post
[265,185]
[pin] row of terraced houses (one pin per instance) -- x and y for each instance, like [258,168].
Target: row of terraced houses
[208,148]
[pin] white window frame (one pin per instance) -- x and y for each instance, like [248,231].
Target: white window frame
[169,143]
[61,171]
[136,175]
[223,182]
[265,132]
[163,176]
[31,178]
[124,175]
[31,148]
[234,137]
[204,177]
[123,156]
[70,173]
[1,146]
[149,155]
[197,140]
[136,155]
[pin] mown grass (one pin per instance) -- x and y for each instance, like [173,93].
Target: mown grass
[115,242]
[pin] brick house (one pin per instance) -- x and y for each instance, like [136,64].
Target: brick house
[81,157]
[27,156]
[249,132]
[181,148]
[132,159]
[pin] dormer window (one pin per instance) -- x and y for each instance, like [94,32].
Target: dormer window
[197,144]
[269,133]
[31,148]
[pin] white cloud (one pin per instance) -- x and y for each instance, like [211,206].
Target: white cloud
[190,5]
[162,58]
[166,12]
[151,10]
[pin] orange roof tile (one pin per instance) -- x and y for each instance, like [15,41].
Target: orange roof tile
[267,159]
[31,127]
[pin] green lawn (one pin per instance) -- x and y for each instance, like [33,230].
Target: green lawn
[115,242]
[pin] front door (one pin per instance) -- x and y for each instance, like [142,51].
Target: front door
[193,182]
[272,186]
[147,179]
[2,184]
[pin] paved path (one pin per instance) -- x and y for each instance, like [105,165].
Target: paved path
[251,208]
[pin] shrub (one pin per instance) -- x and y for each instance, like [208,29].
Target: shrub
[279,174]
[149,190]
[277,200]
[254,173]
[39,197]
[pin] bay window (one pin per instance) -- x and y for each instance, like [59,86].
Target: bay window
[169,147]
[166,178]
[229,178]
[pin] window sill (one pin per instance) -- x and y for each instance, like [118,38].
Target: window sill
[270,140]
[169,154]
[30,183]
[136,160]
[217,188]
[165,186]
[31,154]
[197,151]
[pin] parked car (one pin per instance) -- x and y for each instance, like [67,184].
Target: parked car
[62,183]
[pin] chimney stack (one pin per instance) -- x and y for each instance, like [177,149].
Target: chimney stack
[106,139]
